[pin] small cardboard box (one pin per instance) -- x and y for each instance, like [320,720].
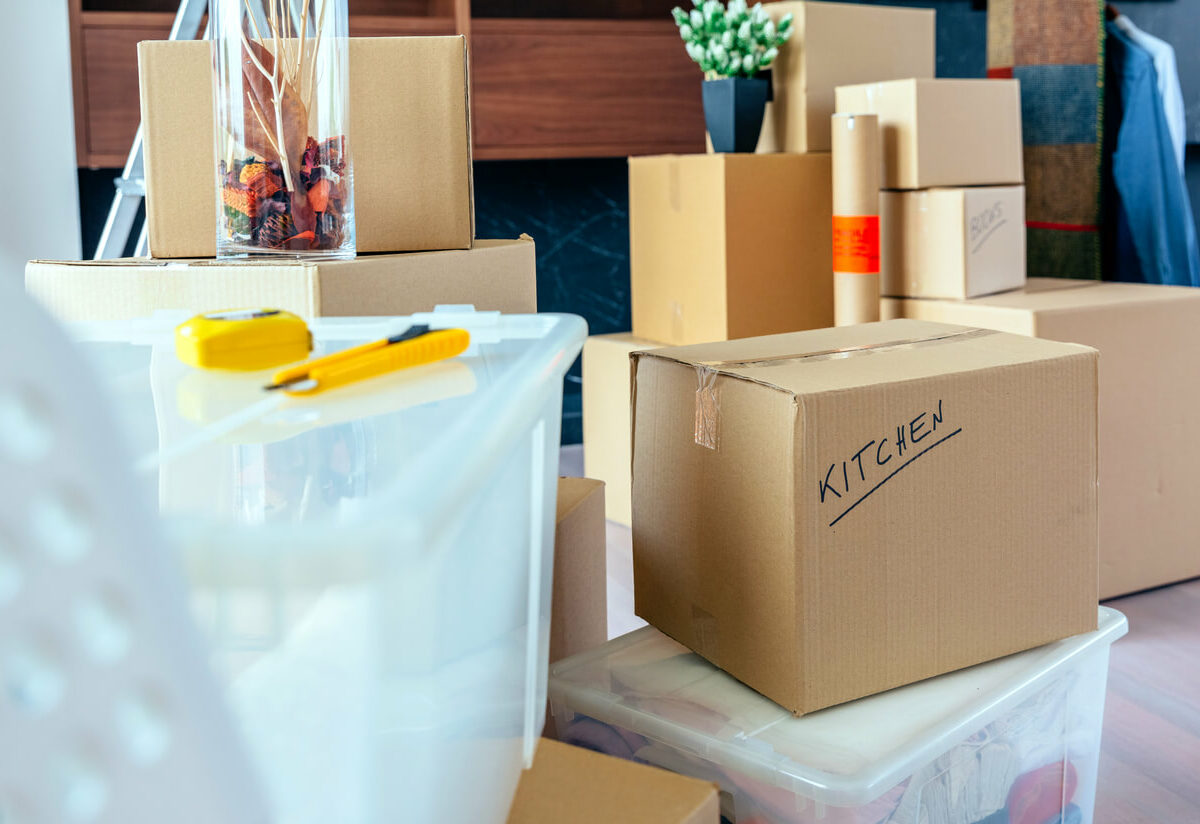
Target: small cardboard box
[943,132]
[579,605]
[606,418]
[1148,337]
[728,246]
[410,141]
[837,44]
[831,514]
[952,243]
[496,275]
[571,785]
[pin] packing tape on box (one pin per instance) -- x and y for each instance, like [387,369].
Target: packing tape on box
[708,408]
[707,425]
[849,351]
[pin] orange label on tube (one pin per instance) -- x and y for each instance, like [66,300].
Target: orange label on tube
[856,244]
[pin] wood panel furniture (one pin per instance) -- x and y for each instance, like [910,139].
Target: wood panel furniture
[549,78]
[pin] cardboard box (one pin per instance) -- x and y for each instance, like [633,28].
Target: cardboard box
[571,785]
[607,448]
[728,246]
[498,275]
[830,514]
[838,44]
[1148,337]
[579,605]
[943,132]
[410,140]
[952,243]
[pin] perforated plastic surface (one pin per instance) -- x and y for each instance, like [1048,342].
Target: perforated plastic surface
[108,712]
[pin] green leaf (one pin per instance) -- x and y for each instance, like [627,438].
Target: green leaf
[679,15]
[697,19]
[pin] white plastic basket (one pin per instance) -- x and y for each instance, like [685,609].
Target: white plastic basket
[371,566]
[983,745]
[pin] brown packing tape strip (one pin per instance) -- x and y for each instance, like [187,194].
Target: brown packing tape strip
[850,351]
[708,409]
[707,424]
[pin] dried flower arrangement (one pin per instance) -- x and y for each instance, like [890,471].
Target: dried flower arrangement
[289,191]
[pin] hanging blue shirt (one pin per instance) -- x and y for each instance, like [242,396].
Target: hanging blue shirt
[1155,232]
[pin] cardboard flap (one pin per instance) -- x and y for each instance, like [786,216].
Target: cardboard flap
[409,131]
[846,357]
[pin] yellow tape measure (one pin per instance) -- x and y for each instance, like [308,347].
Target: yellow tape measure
[243,340]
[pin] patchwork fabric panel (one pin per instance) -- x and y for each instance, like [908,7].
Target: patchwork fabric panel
[1055,48]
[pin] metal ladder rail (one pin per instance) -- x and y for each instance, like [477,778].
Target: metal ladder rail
[131,185]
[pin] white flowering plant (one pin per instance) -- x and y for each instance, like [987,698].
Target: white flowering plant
[731,41]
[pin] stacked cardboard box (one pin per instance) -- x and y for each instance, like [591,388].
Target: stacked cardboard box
[952,213]
[956,253]
[1149,389]
[830,514]
[726,246]
[412,186]
[571,785]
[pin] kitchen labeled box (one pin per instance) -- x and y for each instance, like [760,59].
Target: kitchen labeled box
[495,275]
[606,418]
[410,140]
[952,243]
[1011,741]
[837,44]
[830,514]
[1147,336]
[571,785]
[729,245]
[943,132]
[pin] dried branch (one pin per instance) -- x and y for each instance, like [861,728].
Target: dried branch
[261,117]
[312,69]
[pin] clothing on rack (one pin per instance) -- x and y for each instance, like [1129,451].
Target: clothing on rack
[1155,238]
[1167,76]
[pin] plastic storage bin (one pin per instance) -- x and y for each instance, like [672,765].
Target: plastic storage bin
[371,566]
[1012,741]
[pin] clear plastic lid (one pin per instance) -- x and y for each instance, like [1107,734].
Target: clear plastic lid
[218,453]
[845,755]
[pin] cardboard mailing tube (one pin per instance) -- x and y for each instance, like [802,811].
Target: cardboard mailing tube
[856,167]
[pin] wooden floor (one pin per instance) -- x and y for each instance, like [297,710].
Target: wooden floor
[1150,760]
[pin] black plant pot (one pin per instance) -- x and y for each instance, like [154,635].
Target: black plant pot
[733,112]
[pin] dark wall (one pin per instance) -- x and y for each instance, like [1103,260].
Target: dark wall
[578,213]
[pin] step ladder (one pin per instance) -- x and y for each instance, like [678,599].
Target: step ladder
[131,185]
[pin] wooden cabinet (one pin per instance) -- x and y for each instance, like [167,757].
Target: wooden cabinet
[615,84]
[583,88]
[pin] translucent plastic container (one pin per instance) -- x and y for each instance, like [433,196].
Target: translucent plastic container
[371,566]
[1013,741]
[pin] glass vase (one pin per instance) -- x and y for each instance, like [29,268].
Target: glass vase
[285,183]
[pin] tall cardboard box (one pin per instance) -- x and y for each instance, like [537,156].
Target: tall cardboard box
[729,245]
[837,44]
[571,785]
[495,275]
[830,514]
[579,604]
[943,132]
[952,243]
[1148,337]
[606,418]
[410,140]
